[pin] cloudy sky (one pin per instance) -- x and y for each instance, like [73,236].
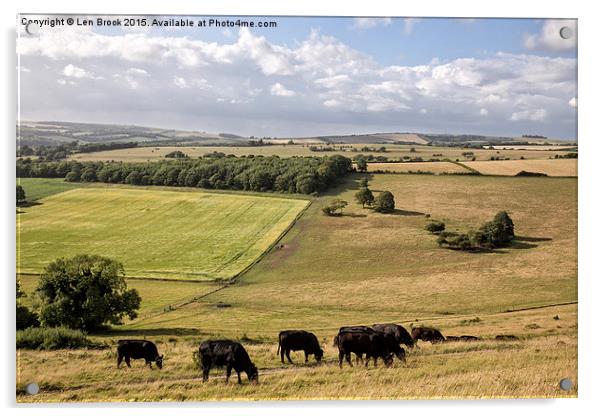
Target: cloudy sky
[309,76]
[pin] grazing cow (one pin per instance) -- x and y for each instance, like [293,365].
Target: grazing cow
[390,338]
[137,349]
[297,340]
[465,338]
[399,332]
[226,353]
[370,342]
[427,334]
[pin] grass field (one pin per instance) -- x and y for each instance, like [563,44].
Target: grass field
[154,233]
[38,188]
[363,268]
[394,151]
[434,167]
[551,167]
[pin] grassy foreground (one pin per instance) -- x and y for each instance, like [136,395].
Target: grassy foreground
[363,268]
[156,233]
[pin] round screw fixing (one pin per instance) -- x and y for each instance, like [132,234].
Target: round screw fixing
[566,384]
[566,32]
[32,388]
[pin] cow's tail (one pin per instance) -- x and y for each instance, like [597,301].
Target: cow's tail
[278,352]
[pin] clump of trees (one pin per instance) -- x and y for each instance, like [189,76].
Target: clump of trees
[496,233]
[85,292]
[304,175]
[25,317]
[384,202]
[364,196]
[434,227]
[334,208]
[176,154]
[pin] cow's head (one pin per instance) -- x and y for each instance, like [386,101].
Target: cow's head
[319,354]
[388,359]
[253,374]
[159,361]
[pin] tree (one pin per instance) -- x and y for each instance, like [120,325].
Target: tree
[499,231]
[73,176]
[20,194]
[334,206]
[361,163]
[384,202]
[25,317]
[85,292]
[434,227]
[364,196]
[89,175]
[364,182]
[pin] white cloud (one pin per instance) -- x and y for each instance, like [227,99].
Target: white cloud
[573,102]
[531,115]
[423,111]
[408,24]
[73,71]
[180,82]
[137,72]
[370,22]
[483,112]
[549,36]
[279,90]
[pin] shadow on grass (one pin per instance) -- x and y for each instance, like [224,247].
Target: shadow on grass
[406,213]
[531,239]
[27,204]
[353,215]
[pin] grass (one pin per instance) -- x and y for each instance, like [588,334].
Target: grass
[434,167]
[551,167]
[394,151]
[364,268]
[38,188]
[154,233]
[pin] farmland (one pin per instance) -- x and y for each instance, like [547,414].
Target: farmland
[359,268]
[157,234]
[433,167]
[555,167]
[393,151]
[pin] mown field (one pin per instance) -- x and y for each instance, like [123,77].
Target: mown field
[551,167]
[394,151]
[363,268]
[154,233]
[433,167]
[38,188]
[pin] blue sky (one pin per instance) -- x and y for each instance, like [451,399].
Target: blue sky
[311,75]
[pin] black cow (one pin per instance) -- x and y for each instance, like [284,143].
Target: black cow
[391,341]
[370,342]
[427,334]
[137,349]
[402,336]
[297,340]
[226,353]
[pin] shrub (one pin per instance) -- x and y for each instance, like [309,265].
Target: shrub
[434,227]
[334,206]
[51,338]
[364,196]
[384,202]
[26,318]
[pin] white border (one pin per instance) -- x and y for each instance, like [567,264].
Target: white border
[589,207]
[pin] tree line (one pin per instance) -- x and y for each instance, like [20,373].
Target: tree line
[305,175]
[61,151]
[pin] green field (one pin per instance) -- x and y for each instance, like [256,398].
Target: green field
[155,234]
[362,268]
[38,188]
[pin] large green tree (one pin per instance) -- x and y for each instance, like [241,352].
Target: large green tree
[86,292]
[384,202]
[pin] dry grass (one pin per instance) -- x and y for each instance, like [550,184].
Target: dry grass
[551,167]
[434,167]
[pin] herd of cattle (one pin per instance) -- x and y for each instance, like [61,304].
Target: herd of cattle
[365,342]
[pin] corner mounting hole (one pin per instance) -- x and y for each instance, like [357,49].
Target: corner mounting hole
[566,384]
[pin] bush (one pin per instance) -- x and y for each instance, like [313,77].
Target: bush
[26,318]
[51,338]
[434,227]
[364,196]
[384,202]
[334,206]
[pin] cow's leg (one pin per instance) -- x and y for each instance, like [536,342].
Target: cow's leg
[150,364]
[119,359]
[305,356]
[376,359]
[127,361]
[288,356]
[206,372]
[239,380]
[341,354]
[348,358]
[282,355]
[228,372]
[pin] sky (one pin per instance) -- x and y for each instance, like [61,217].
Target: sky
[307,76]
